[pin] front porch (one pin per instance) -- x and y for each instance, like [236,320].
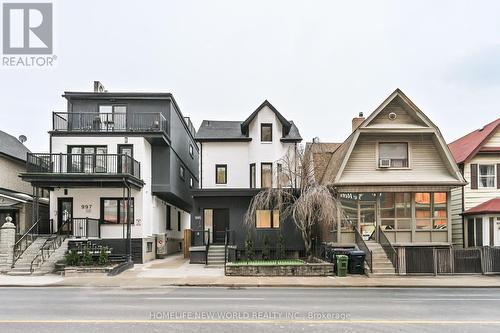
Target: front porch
[405,218]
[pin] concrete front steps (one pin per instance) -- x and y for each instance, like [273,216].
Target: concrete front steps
[23,264]
[215,255]
[381,264]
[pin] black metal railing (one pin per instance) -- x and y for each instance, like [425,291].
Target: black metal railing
[201,238]
[51,245]
[360,242]
[83,164]
[85,227]
[389,250]
[109,122]
[229,240]
[25,241]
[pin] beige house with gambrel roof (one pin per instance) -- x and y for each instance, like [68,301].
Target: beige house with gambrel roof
[394,175]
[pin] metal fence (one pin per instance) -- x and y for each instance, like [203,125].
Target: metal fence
[439,261]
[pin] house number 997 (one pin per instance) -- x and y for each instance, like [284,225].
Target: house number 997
[86,206]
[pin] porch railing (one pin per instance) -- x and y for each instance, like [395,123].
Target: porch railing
[83,164]
[51,245]
[360,242]
[25,241]
[389,250]
[109,122]
[229,240]
[85,227]
[201,238]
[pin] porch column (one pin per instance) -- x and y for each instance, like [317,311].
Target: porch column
[339,216]
[7,241]
[448,217]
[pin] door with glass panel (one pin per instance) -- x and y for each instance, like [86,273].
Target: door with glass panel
[367,215]
[87,159]
[125,159]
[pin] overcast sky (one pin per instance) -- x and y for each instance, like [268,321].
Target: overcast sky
[318,62]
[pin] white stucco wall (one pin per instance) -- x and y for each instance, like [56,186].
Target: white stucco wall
[149,210]
[239,155]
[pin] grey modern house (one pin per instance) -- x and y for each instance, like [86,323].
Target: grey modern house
[120,170]
[237,160]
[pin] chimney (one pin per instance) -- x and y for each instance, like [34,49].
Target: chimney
[356,121]
[99,87]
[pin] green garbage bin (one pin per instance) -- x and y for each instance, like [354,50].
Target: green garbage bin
[341,265]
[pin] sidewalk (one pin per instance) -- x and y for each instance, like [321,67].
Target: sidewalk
[176,271]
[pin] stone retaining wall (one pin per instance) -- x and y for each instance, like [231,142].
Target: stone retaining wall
[314,269]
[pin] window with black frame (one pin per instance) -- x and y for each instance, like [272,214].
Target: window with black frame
[114,210]
[266,132]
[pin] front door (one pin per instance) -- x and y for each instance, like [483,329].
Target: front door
[368,220]
[64,211]
[125,164]
[220,224]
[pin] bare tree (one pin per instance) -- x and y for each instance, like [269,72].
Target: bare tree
[311,206]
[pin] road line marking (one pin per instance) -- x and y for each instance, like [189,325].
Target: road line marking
[444,299]
[342,322]
[209,298]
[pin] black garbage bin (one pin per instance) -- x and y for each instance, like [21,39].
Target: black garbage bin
[356,262]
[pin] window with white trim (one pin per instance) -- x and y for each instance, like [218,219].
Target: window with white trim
[486,176]
[393,154]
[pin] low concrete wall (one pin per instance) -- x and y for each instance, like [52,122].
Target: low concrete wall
[309,269]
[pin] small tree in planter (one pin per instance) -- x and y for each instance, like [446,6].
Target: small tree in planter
[266,249]
[72,258]
[299,196]
[249,247]
[281,247]
[103,256]
[87,259]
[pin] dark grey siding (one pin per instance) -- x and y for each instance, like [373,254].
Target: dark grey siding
[238,206]
[166,159]
[117,247]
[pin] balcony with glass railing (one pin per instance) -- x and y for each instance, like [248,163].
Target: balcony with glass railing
[110,122]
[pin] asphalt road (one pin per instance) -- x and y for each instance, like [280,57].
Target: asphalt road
[221,310]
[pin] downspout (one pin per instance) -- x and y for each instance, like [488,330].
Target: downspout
[128,242]
[201,165]
[295,164]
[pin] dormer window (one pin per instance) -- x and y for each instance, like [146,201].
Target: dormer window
[266,132]
[393,155]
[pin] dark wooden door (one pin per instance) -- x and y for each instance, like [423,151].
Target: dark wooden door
[64,210]
[221,223]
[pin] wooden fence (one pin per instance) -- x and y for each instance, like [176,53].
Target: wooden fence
[439,261]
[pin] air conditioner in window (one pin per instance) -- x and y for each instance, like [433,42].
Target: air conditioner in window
[384,163]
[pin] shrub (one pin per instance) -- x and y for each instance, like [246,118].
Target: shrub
[281,247]
[72,258]
[266,251]
[103,256]
[87,257]
[249,246]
